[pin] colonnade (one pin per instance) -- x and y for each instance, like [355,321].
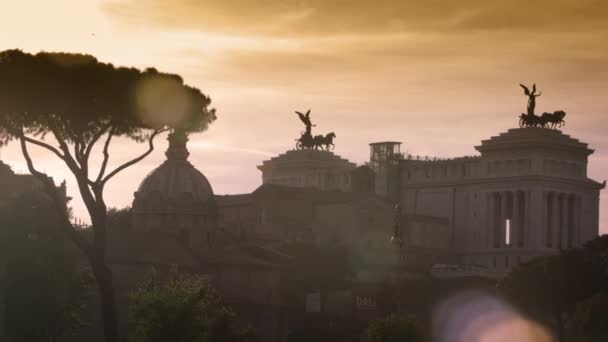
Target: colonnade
[508,212]
[562,215]
[509,218]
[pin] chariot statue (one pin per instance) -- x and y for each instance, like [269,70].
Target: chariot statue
[546,120]
[308,141]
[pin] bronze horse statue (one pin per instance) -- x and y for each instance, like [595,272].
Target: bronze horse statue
[324,143]
[546,120]
[308,141]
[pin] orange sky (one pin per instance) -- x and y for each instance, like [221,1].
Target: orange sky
[438,75]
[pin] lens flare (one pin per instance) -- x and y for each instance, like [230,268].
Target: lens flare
[161,101]
[479,317]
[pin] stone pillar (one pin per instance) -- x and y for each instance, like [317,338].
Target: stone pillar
[578,209]
[496,220]
[516,220]
[490,219]
[535,221]
[570,222]
[504,199]
[564,226]
[547,237]
[524,217]
[555,221]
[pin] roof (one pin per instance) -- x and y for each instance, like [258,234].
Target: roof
[172,179]
[176,178]
[386,142]
[149,248]
[167,249]
[534,137]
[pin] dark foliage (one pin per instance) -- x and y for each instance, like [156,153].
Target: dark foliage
[119,220]
[80,101]
[184,309]
[394,328]
[78,96]
[550,289]
[44,286]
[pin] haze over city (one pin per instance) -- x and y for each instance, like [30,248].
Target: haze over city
[438,77]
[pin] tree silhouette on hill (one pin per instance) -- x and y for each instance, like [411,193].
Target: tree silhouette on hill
[81,103]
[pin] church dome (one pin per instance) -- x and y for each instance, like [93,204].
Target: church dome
[175,196]
[176,177]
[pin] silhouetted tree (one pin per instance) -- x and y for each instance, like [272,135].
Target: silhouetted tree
[588,323]
[79,102]
[323,268]
[184,309]
[394,328]
[550,288]
[44,287]
[119,220]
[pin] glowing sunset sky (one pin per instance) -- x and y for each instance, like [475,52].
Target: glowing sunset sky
[438,75]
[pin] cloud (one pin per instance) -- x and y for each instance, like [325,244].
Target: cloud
[298,44]
[322,17]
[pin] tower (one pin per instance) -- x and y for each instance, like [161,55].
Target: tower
[384,161]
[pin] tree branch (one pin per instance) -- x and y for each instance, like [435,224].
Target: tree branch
[94,139]
[42,144]
[77,151]
[106,158]
[67,156]
[80,174]
[135,160]
[58,202]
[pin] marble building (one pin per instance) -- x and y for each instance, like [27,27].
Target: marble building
[322,170]
[526,194]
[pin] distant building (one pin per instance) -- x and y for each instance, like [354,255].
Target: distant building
[176,199]
[14,184]
[322,170]
[527,194]
[174,227]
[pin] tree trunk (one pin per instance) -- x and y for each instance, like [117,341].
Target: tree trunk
[103,277]
[102,272]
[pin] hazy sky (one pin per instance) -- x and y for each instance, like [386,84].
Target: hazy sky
[438,75]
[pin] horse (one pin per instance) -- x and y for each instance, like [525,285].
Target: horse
[324,142]
[550,120]
[554,120]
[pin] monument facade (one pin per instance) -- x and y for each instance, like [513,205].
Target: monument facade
[311,164]
[526,194]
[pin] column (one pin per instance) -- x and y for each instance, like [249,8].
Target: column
[523,226]
[548,205]
[496,220]
[564,228]
[490,219]
[536,204]
[548,237]
[516,220]
[555,221]
[570,221]
[578,209]
[504,198]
